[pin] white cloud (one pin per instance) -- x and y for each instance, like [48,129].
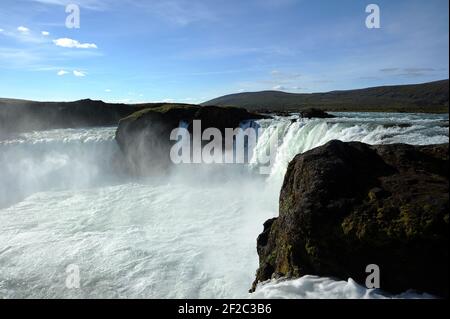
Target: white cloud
[108,90]
[62,72]
[45,33]
[24,34]
[286,88]
[23,29]
[178,12]
[79,73]
[279,87]
[70,43]
[1,30]
[87,4]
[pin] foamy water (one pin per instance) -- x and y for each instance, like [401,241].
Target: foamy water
[189,235]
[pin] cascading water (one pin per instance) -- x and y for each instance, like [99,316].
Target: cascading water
[298,136]
[64,201]
[58,159]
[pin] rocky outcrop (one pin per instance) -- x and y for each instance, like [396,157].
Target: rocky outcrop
[344,206]
[224,117]
[144,137]
[315,113]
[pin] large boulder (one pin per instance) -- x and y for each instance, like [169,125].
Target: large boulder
[224,117]
[144,137]
[315,113]
[344,206]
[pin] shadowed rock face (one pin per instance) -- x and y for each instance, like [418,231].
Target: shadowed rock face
[224,117]
[144,136]
[344,206]
[315,113]
[18,116]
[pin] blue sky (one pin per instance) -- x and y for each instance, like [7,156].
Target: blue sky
[194,50]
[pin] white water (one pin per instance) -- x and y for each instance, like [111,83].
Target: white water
[313,287]
[192,235]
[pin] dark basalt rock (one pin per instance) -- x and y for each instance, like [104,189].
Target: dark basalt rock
[399,125]
[315,113]
[224,117]
[344,206]
[144,137]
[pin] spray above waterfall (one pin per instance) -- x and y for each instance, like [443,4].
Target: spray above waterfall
[81,158]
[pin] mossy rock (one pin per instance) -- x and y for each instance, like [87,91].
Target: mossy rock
[344,206]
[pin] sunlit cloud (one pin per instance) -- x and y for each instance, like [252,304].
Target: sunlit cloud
[70,43]
[23,29]
[62,72]
[79,74]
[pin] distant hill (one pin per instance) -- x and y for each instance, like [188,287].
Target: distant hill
[427,98]
[22,115]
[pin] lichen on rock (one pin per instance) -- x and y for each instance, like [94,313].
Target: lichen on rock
[344,206]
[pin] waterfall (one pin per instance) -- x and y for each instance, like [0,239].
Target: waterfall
[301,135]
[56,159]
[187,235]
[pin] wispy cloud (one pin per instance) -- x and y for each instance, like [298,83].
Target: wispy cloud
[79,74]
[45,33]
[389,70]
[413,70]
[177,12]
[23,34]
[408,72]
[62,72]
[70,43]
[218,52]
[16,57]
[87,4]
[283,81]
[286,88]
[23,29]
[182,12]
[285,76]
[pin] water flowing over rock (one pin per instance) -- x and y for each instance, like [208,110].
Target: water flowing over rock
[344,206]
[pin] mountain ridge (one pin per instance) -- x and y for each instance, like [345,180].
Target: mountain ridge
[429,97]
